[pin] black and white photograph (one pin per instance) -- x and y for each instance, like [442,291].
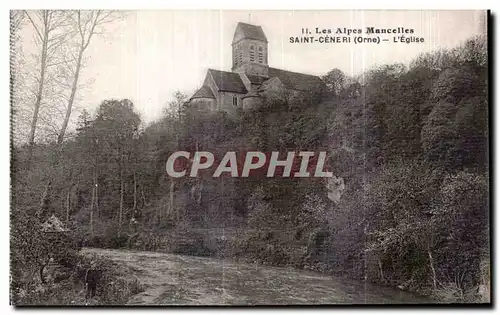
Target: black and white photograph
[250,157]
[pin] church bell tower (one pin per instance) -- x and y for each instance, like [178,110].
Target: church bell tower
[250,50]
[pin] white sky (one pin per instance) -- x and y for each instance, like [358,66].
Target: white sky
[150,54]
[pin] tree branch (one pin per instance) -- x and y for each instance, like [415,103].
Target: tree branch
[34,25]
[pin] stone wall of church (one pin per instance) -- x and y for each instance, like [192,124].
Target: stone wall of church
[226,102]
[253,69]
[204,104]
[250,57]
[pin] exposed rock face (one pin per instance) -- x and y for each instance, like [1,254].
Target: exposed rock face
[335,187]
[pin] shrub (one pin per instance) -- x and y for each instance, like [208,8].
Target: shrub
[114,288]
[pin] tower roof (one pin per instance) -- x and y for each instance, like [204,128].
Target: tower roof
[248,31]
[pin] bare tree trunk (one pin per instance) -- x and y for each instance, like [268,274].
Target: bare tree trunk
[92,211]
[68,204]
[44,200]
[97,198]
[144,204]
[50,38]
[39,94]
[431,264]
[42,278]
[96,187]
[71,100]
[94,177]
[172,203]
[135,191]
[200,192]
[120,214]
[86,27]
[381,270]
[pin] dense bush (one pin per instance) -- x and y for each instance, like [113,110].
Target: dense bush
[114,288]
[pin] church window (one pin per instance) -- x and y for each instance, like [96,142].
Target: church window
[235,100]
[235,56]
[252,53]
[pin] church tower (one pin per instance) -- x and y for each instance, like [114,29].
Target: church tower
[250,50]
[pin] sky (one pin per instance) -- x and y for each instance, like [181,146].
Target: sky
[148,55]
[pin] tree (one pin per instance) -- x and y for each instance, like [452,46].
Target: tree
[17,18]
[335,81]
[463,219]
[50,35]
[178,110]
[401,227]
[87,145]
[85,24]
[115,126]
[454,135]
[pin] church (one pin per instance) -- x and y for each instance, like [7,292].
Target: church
[251,78]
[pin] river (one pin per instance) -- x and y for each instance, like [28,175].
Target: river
[188,280]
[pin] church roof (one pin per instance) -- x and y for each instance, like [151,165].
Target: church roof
[231,82]
[256,79]
[297,81]
[228,81]
[251,94]
[249,31]
[203,92]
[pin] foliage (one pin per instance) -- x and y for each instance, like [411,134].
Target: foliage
[114,288]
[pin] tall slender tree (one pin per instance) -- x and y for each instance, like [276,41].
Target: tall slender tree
[85,24]
[50,33]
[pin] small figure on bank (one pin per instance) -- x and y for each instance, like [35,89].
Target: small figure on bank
[91,279]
